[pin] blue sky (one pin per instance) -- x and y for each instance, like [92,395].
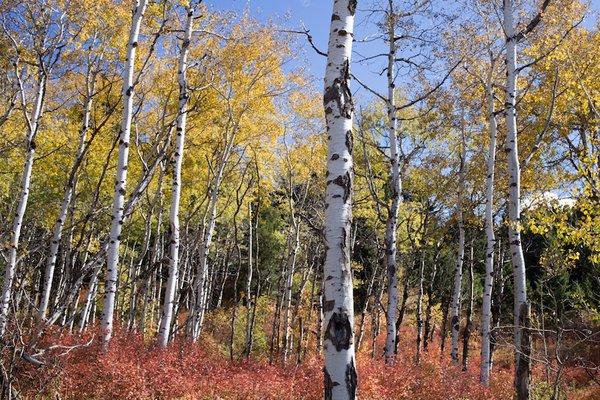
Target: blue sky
[315,16]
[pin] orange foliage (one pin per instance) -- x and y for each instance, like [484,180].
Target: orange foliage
[135,369]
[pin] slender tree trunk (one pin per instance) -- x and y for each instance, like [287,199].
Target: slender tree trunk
[392,221]
[319,329]
[443,330]
[486,308]
[235,295]
[497,302]
[363,312]
[167,313]
[67,197]
[467,331]
[419,316]
[207,236]
[428,332]
[112,256]
[522,367]
[274,347]
[340,378]
[287,302]
[376,320]
[249,316]
[11,265]
[456,296]
[403,302]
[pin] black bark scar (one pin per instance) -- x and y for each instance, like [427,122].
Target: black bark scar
[351,379]
[328,385]
[339,331]
[344,181]
[339,92]
[352,6]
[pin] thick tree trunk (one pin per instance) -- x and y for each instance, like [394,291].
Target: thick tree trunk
[486,308]
[514,203]
[167,313]
[112,255]
[340,378]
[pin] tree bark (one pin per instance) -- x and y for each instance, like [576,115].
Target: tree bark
[396,188]
[15,234]
[428,332]
[112,254]
[456,296]
[167,313]
[514,202]
[486,308]
[419,317]
[467,331]
[68,195]
[339,373]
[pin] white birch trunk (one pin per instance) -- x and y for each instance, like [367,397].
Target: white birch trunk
[419,311]
[289,280]
[456,295]
[514,199]
[340,378]
[112,255]
[167,315]
[486,308]
[11,265]
[249,315]
[66,203]
[392,221]
[202,269]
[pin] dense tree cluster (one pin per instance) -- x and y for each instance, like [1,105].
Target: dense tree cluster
[173,171]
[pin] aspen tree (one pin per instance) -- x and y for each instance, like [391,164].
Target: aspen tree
[49,38]
[167,313]
[112,254]
[486,307]
[521,305]
[32,131]
[340,378]
[456,294]
[84,143]
[396,184]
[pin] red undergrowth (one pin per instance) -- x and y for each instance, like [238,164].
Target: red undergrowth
[135,369]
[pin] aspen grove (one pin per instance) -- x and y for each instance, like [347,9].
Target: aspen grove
[377,199]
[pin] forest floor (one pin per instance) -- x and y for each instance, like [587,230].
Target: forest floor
[135,368]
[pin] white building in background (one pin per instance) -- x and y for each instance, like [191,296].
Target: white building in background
[547,198]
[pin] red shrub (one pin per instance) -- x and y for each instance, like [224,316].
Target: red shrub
[135,369]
